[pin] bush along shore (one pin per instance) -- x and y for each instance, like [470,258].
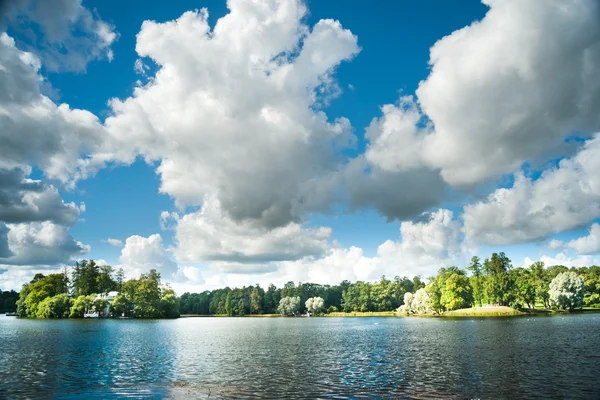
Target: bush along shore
[489,288]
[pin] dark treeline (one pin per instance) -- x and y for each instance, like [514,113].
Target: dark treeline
[84,290]
[494,281]
[8,301]
[383,295]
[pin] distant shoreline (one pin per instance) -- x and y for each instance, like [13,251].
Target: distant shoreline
[462,313]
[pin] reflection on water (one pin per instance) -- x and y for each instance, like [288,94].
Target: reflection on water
[551,357]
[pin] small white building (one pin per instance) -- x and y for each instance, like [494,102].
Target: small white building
[109,297]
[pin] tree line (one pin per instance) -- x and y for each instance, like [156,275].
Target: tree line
[8,301]
[493,281]
[383,295]
[496,282]
[84,290]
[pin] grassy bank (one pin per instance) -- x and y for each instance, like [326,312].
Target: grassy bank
[225,315]
[363,314]
[508,311]
[463,312]
[484,312]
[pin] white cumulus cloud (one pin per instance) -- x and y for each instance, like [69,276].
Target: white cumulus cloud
[423,248]
[114,242]
[140,254]
[34,131]
[41,243]
[234,111]
[562,198]
[64,33]
[502,91]
[211,235]
[27,200]
[589,244]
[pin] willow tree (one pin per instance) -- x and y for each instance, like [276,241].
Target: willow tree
[314,305]
[566,291]
[289,305]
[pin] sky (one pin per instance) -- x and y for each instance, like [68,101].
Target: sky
[229,143]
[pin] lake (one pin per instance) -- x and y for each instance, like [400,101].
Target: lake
[293,358]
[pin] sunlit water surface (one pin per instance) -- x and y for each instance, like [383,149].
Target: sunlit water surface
[293,358]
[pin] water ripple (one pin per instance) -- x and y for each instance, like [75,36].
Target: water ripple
[325,358]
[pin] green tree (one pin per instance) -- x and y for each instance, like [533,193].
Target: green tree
[54,307]
[119,279]
[66,280]
[364,298]
[229,304]
[457,292]
[85,278]
[476,281]
[8,301]
[498,283]
[121,306]
[417,284]
[449,290]
[289,290]
[145,294]
[591,277]
[524,287]
[100,306]
[541,282]
[36,291]
[382,295]
[82,305]
[105,283]
[256,300]
[169,304]
[350,298]
[271,299]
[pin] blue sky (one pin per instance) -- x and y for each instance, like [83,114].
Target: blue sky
[481,158]
[134,199]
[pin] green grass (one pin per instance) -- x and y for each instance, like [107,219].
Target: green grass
[463,312]
[363,314]
[264,315]
[225,315]
[483,312]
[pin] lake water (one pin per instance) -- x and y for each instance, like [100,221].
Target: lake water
[542,357]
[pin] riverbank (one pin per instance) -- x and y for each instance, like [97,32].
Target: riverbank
[508,311]
[484,312]
[501,311]
[465,312]
[363,314]
[225,315]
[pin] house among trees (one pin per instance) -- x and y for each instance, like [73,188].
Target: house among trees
[108,298]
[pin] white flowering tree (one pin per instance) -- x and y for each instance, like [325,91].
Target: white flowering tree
[417,303]
[566,291]
[405,308]
[314,305]
[288,305]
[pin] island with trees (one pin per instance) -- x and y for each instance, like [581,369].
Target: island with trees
[491,287]
[85,291]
